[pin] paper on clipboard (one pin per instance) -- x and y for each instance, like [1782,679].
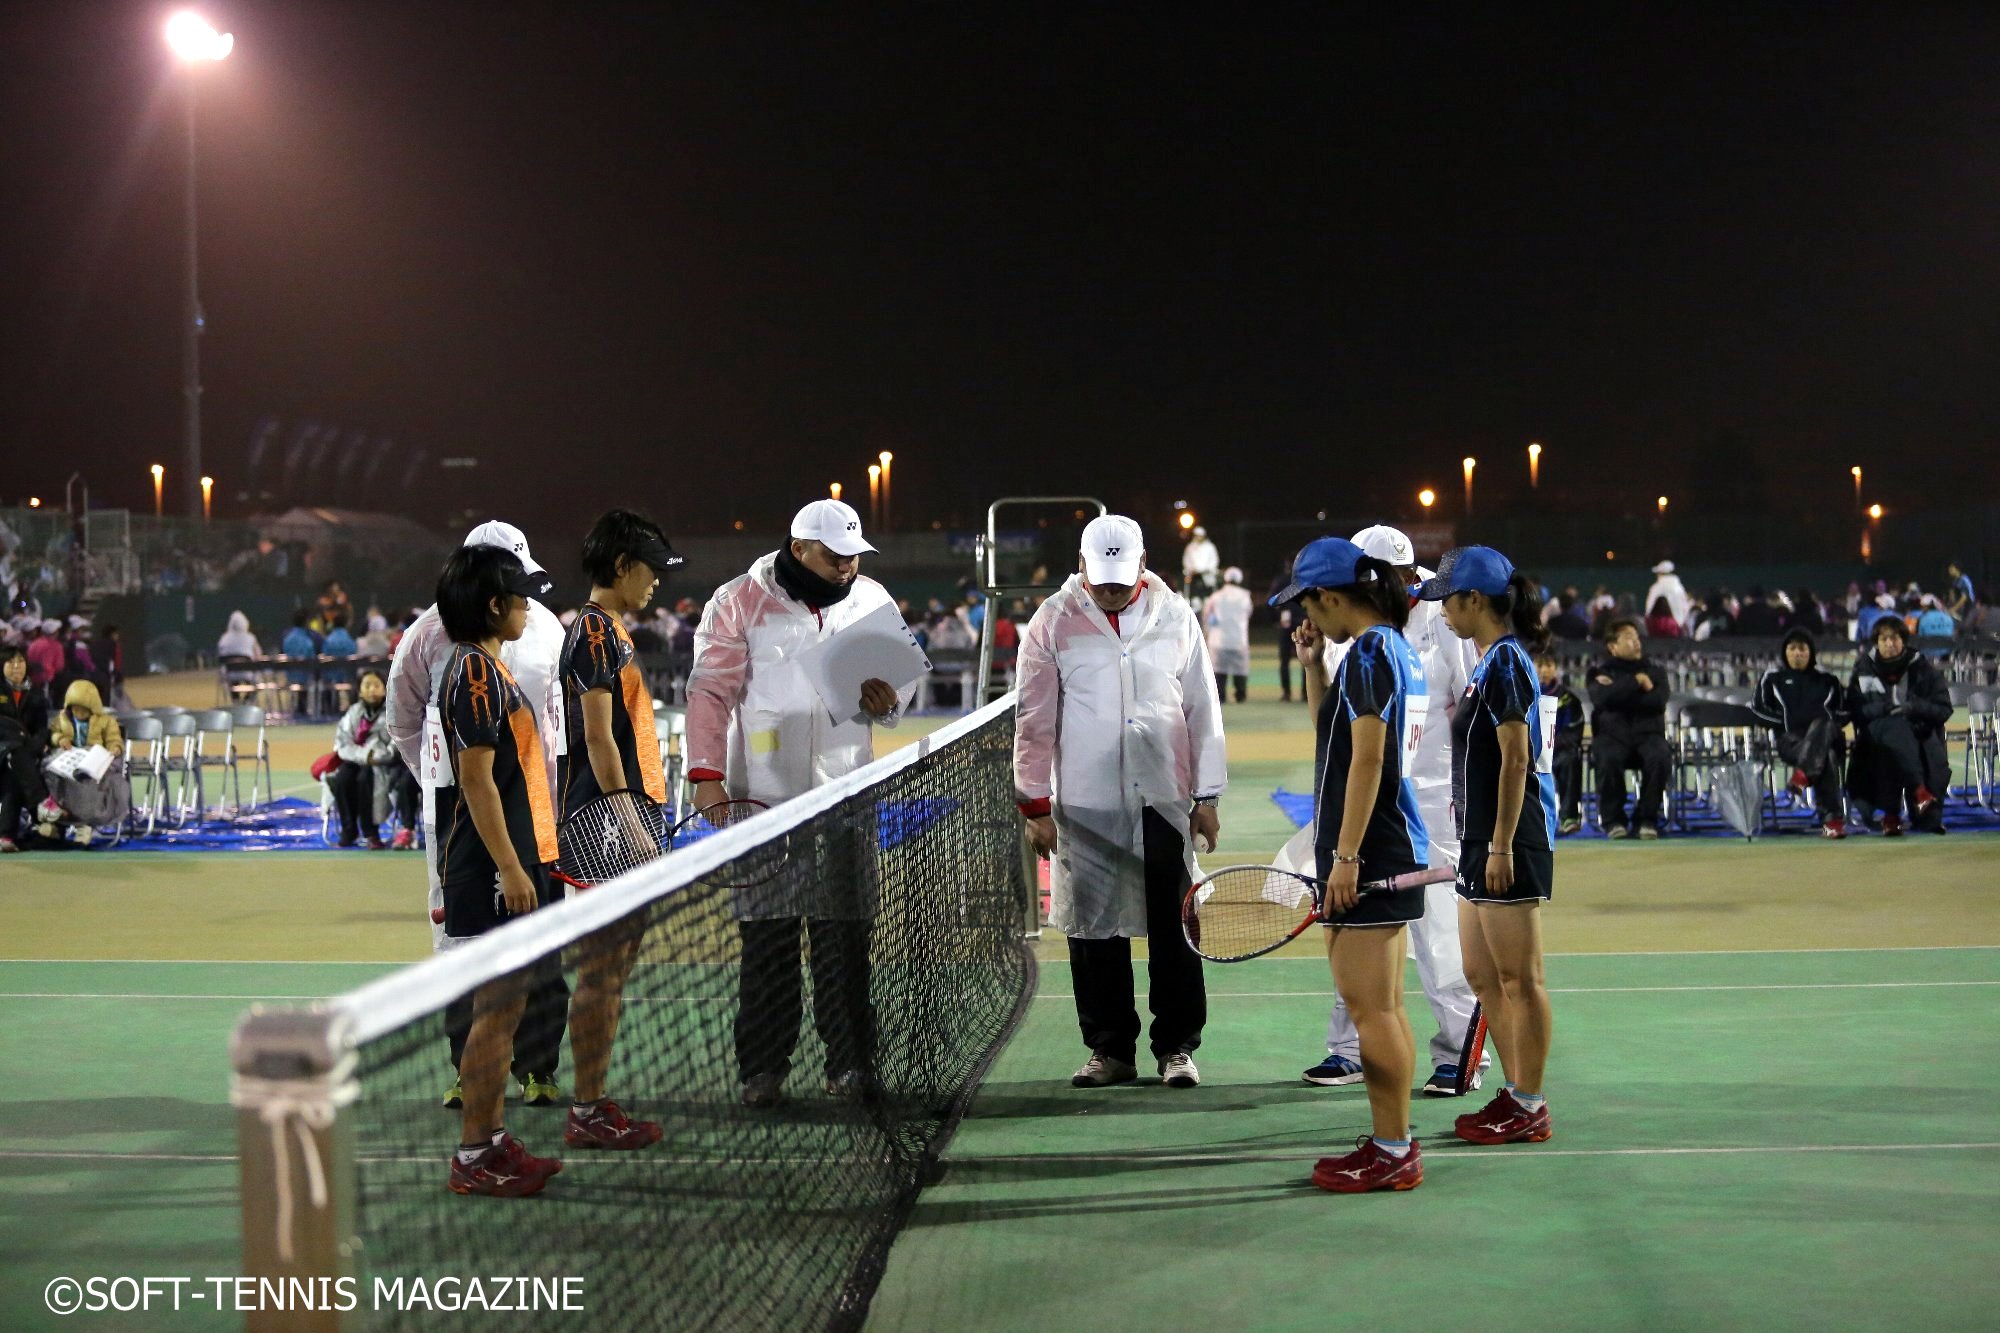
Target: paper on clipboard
[879,646]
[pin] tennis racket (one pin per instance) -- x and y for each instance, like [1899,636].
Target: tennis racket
[609,835]
[755,866]
[1473,1051]
[1243,912]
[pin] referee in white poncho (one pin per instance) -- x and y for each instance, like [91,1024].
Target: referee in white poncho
[1118,764]
[1226,614]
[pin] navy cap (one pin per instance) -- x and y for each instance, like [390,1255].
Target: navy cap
[526,582]
[1468,569]
[1325,562]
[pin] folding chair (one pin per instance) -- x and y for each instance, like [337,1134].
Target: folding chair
[1711,734]
[215,747]
[178,742]
[670,724]
[247,716]
[143,730]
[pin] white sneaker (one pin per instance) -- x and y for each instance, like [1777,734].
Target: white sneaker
[763,1091]
[1101,1071]
[1178,1070]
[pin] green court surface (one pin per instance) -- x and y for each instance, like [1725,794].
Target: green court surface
[1776,1090]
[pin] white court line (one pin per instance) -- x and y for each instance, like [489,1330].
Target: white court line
[1524,1154]
[1045,962]
[1591,990]
[1065,995]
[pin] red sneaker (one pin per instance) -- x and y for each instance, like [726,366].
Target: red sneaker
[1924,804]
[605,1126]
[1834,828]
[405,840]
[1504,1120]
[1892,826]
[505,1171]
[1797,786]
[1368,1167]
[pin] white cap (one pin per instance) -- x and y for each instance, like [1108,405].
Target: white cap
[78,622]
[51,626]
[495,533]
[833,524]
[1113,550]
[1232,575]
[1386,544]
[1200,531]
[1664,567]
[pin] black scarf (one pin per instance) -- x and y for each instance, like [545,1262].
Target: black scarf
[805,586]
[1891,670]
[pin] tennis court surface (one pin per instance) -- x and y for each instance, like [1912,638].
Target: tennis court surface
[1774,1085]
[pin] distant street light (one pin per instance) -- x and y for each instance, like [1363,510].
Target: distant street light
[1427,497]
[1856,472]
[1187,519]
[194,43]
[1534,467]
[888,492]
[207,496]
[1662,502]
[159,484]
[1468,463]
[34,502]
[834,490]
[874,497]
[1875,513]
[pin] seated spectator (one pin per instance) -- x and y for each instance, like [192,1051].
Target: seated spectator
[1667,584]
[81,724]
[237,640]
[1808,614]
[1715,616]
[1934,622]
[374,640]
[76,648]
[46,657]
[1959,597]
[333,604]
[370,772]
[1866,618]
[1660,622]
[24,735]
[1568,760]
[1900,704]
[1760,616]
[1628,720]
[299,640]
[338,641]
[1806,710]
[1569,621]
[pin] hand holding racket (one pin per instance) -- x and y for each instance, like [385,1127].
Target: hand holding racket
[607,836]
[1246,911]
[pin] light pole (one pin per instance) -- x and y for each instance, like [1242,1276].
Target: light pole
[207,496]
[874,497]
[194,43]
[888,492]
[1468,463]
[1534,467]
[1855,472]
[159,486]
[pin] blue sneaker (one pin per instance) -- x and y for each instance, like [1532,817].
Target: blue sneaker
[1333,1072]
[1444,1081]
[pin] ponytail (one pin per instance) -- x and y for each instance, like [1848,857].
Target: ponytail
[1381,588]
[1520,609]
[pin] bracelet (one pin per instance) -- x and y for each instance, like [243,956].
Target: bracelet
[1491,854]
[1206,800]
[1340,860]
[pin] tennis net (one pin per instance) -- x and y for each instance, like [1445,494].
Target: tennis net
[884,910]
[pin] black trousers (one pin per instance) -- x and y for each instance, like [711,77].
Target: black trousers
[1222,686]
[1101,970]
[1287,651]
[1568,765]
[1825,781]
[21,788]
[1655,763]
[771,1003]
[353,788]
[538,1040]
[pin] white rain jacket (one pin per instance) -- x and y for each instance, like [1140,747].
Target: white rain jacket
[533,660]
[1670,587]
[1200,560]
[752,715]
[1111,723]
[1227,615]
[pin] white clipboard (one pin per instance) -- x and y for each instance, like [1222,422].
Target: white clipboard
[879,646]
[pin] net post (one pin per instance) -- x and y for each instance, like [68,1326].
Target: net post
[293,1077]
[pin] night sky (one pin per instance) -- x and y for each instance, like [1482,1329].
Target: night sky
[705,261]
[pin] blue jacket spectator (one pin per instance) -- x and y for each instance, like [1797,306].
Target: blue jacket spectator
[299,642]
[338,642]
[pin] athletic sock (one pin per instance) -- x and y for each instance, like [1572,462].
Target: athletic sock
[1394,1147]
[1529,1101]
[470,1153]
[585,1108]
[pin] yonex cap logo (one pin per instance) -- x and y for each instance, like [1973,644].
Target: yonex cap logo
[1111,552]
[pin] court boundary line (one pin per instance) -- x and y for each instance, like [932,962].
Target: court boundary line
[1043,962]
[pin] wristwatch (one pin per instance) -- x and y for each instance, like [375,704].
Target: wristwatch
[1206,800]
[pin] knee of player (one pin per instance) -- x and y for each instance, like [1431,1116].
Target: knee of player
[1517,984]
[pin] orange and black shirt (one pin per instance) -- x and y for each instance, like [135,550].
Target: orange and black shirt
[482,707]
[598,655]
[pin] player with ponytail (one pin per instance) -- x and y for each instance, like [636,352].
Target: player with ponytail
[1503,751]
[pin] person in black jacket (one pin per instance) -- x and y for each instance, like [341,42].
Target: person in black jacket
[1628,700]
[1806,708]
[1568,761]
[1900,705]
[24,735]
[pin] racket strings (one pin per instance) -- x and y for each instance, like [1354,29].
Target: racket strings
[1245,910]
